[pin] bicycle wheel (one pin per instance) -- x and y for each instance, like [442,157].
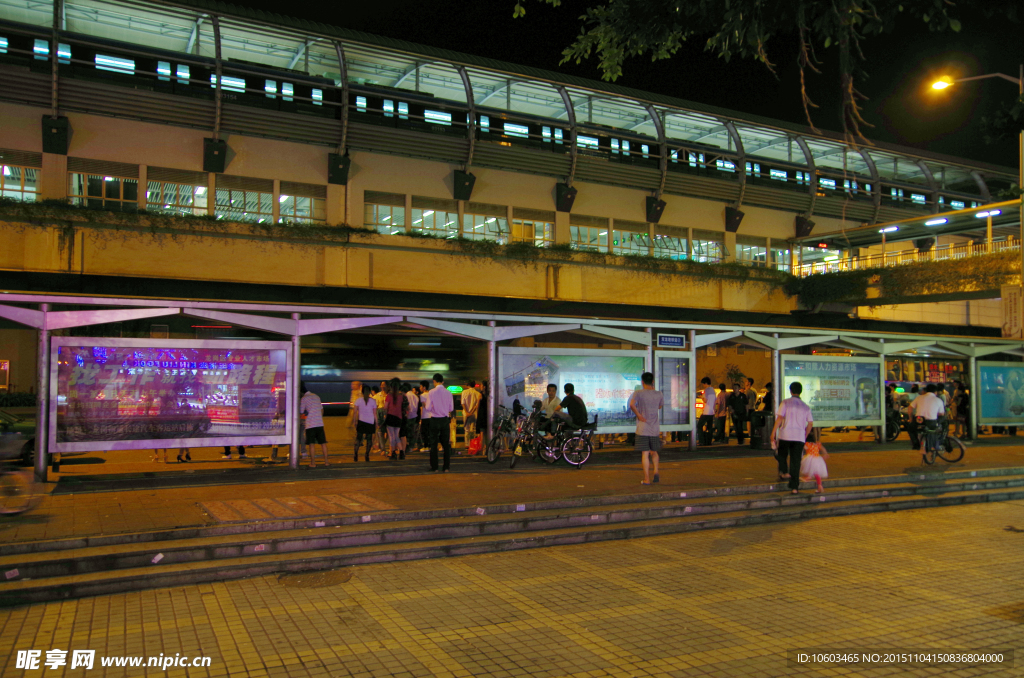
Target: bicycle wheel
[892,429]
[496,447]
[515,454]
[549,455]
[18,492]
[952,450]
[576,451]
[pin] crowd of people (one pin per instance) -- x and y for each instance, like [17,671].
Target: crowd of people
[736,405]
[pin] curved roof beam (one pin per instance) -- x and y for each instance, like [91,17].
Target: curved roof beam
[982,186]
[195,33]
[741,160]
[812,187]
[343,66]
[927,173]
[571,113]
[497,90]
[662,143]
[411,71]
[306,44]
[471,127]
[770,144]
[709,133]
[876,180]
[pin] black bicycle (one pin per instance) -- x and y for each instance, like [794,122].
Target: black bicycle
[503,437]
[938,442]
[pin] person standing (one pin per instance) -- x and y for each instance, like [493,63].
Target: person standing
[311,406]
[646,405]
[440,405]
[792,426]
[365,409]
[394,415]
[721,411]
[470,408]
[737,406]
[751,394]
[379,396]
[707,415]
[483,411]
[412,420]
[424,414]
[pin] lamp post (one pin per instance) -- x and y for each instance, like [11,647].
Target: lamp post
[943,83]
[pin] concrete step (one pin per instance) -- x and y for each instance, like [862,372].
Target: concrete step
[926,476]
[83,572]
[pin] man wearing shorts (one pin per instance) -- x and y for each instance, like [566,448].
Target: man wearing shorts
[313,409]
[646,404]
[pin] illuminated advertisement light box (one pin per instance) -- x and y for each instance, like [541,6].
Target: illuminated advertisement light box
[839,391]
[603,379]
[673,377]
[117,394]
[1001,392]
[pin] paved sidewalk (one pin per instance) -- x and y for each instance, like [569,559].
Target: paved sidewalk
[143,505]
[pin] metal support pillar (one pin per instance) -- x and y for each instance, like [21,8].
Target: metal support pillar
[692,342]
[881,358]
[293,398]
[43,395]
[975,415]
[492,384]
[777,384]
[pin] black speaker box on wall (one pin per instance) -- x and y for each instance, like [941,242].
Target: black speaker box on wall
[463,182]
[804,226]
[733,219]
[565,196]
[654,209]
[56,135]
[215,154]
[337,168]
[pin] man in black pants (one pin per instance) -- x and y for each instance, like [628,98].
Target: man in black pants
[706,423]
[792,426]
[440,407]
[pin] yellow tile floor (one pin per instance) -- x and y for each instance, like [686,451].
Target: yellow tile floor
[726,603]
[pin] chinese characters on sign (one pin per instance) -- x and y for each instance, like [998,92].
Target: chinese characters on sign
[123,393]
[837,391]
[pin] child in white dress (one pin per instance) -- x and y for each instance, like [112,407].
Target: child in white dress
[813,464]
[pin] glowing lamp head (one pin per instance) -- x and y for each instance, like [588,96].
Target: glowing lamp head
[943,83]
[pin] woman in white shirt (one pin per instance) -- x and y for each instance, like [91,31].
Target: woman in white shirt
[366,421]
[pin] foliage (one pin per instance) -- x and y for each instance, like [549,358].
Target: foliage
[17,399]
[823,288]
[1006,125]
[614,30]
[734,373]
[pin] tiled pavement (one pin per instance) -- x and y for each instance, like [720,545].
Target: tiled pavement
[724,603]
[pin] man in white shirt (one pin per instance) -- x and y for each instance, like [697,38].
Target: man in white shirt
[412,419]
[424,413]
[470,407]
[313,410]
[440,406]
[706,423]
[929,407]
[792,426]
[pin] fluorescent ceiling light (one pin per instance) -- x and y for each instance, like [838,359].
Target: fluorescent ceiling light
[889,230]
[428,213]
[993,213]
[834,257]
[935,222]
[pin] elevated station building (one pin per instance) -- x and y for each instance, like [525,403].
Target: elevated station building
[167,161]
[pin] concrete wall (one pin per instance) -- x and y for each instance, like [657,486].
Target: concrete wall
[983,312]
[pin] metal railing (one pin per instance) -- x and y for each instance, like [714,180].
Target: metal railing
[901,257]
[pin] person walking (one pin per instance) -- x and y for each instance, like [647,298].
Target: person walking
[707,416]
[721,410]
[737,406]
[470,406]
[440,405]
[379,394]
[394,415]
[366,421]
[792,426]
[813,466]
[751,394]
[646,405]
[313,409]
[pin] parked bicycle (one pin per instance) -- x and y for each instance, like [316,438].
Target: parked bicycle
[566,442]
[938,442]
[19,490]
[504,435]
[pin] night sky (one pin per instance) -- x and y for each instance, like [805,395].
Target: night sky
[901,106]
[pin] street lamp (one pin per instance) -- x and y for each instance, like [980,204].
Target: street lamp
[946,82]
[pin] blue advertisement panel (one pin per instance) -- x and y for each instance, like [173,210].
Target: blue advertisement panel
[134,394]
[1001,392]
[673,380]
[604,380]
[839,391]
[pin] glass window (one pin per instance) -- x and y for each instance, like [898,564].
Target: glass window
[630,242]
[751,250]
[819,256]
[41,49]
[438,117]
[403,110]
[270,87]
[287,91]
[918,198]
[957,204]
[896,193]
[825,182]
[625,147]
[545,133]
[778,175]
[386,219]
[587,142]
[708,246]
[594,238]
[671,247]
[558,135]
[441,223]
[184,73]
[118,65]
[645,150]
[19,183]
[389,108]
[163,71]
[172,198]
[615,145]
[850,186]
[238,205]
[540,233]
[673,156]
[3,45]
[780,258]
[754,169]
[361,104]
[695,159]
[227,83]
[802,177]
[299,209]
[119,194]
[514,130]
[725,165]
[485,123]
[486,227]
[318,97]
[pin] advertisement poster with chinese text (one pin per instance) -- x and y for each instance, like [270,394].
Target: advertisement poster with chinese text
[837,391]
